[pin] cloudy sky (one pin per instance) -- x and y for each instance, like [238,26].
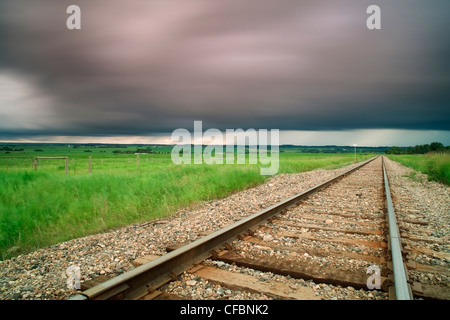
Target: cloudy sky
[139,69]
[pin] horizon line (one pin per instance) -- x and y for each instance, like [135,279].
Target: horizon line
[193,144]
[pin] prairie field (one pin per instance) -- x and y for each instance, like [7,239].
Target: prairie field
[42,206]
[436,166]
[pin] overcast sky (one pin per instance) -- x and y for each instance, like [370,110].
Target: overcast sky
[139,69]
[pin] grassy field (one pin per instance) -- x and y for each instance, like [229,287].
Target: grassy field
[46,206]
[436,166]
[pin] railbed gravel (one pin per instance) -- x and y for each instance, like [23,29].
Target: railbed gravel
[415,197]
[193,287]
[42,274]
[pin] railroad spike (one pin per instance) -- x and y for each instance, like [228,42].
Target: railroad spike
[173,276]
[214,254]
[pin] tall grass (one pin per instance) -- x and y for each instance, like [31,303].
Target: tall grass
[436,166]
[44,207]
[40,208]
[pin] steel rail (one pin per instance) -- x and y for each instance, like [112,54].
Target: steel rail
[402,288]
[152,275]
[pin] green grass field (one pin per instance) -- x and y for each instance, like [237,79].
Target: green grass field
[46,206]
[436,166]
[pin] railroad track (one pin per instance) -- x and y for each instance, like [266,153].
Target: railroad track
[342,232]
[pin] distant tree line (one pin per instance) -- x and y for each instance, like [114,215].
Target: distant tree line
[419,149]
[10,148]
[90,145]
[147,150]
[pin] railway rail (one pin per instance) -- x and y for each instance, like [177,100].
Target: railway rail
[296,238]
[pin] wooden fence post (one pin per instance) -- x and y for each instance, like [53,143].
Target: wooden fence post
[37,160]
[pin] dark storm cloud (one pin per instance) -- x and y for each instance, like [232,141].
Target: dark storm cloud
[151,66]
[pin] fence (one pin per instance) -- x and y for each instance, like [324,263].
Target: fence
[36,163]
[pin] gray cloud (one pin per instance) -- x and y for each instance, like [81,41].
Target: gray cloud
[138,67]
